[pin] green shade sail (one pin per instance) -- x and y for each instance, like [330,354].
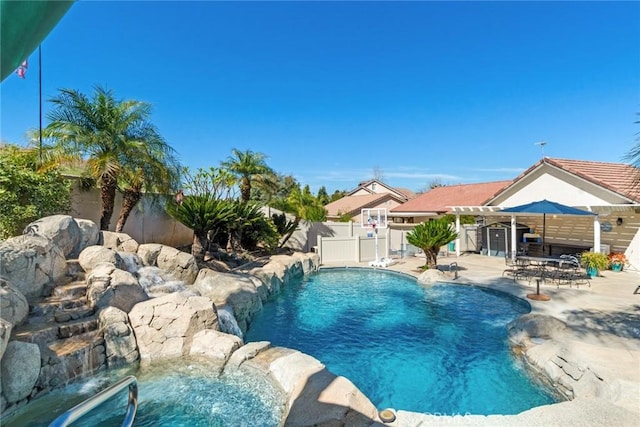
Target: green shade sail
[23,26]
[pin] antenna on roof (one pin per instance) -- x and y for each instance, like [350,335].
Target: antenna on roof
[541,144]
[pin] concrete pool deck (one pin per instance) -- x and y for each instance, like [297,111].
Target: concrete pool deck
[601,339]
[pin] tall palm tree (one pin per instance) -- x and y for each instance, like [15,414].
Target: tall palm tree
[267,185]
[154,173]
[246,166]
[108,134]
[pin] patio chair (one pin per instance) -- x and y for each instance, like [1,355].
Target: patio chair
[568,272]
[511,265]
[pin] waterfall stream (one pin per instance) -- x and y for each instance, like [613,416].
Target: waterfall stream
[227,321]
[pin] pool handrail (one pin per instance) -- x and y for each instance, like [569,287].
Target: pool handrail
[99,398]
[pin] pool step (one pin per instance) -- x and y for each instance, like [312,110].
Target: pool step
[45,329]
[71,290]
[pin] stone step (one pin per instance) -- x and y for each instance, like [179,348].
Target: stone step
[67,359]
[48,306]
[74,267]
[72,290]
[73,344]
[45,329]
[67,314]
[77,327]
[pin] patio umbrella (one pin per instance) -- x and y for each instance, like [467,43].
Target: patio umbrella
[545,207]
[23,26]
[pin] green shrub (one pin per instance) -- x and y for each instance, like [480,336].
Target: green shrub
[27,193]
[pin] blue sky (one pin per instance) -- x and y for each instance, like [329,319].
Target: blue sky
[452,91]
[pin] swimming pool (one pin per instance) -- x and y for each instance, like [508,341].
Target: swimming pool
[178,394]
[440,349]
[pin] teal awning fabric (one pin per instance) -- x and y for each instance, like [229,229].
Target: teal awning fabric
[23,26]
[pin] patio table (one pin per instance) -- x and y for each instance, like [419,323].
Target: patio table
[541,264]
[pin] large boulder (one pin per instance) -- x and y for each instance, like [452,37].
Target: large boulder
[120,342]
[131,261]
[95,255]
[243,293]
[14,307]
[118,241]
[62,230]
[89,235]
[33,264]
[20,368]
[165,326]
[5,334]
[215,346]
[532,325]
[149,252]
[108,286]
[181,265]
[431,276]
[315,396]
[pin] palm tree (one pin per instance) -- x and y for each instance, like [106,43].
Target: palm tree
[267,186]
[108,134]
[302,205]
[246,166]
[153,173]
[430,236]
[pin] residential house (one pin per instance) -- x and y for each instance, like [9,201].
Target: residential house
[368,194]
[607,189]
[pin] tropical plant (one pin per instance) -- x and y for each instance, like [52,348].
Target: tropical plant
[216,182]
[302,205]
[283,225]
[28,192]
[265,189]
[430,236]
[154,173]
[464,219]
[244,216]
[205,215]
[594,260]
[344,217]
[246,166]
[108,134]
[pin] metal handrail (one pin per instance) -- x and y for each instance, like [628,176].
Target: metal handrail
[454,267]
[97,399]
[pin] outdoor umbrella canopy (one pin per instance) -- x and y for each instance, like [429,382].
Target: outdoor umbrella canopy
[545,207]
[23,26]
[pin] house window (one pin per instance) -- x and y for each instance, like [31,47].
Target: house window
[373,186]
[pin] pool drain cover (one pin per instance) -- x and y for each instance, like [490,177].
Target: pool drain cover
[387,416]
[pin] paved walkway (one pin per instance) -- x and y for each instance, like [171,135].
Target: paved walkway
[604,329]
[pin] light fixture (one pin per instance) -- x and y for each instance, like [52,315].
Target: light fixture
[619,221]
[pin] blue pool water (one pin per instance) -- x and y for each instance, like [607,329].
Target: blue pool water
[175,395]
[437,350]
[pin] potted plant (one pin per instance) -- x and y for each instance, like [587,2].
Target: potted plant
[594,262]
[617,260]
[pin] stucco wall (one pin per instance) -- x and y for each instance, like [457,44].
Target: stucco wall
[148,223]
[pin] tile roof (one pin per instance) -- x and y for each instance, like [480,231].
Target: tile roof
[617,177]
[353,204]
[408,193]
[440,198]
